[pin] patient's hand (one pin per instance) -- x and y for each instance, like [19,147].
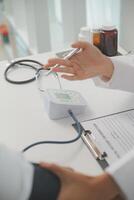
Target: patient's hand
[77,186]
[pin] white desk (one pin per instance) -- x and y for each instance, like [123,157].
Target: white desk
[24,121]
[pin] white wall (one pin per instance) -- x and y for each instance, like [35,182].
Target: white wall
[1,14]
[46,25]
[127,25]
[101,12]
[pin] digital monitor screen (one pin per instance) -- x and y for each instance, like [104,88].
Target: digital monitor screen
[62,96]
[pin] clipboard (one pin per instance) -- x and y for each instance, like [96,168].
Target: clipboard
[86,135]
[98,155]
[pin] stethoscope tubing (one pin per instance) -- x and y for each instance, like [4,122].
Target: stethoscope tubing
[23,63]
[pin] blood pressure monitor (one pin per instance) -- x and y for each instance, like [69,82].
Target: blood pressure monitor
[58,102]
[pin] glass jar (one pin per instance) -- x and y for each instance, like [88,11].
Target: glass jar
[109,40]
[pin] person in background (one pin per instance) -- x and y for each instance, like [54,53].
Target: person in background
[117,182]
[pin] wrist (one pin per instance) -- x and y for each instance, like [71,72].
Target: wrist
[107,69]
[107,188]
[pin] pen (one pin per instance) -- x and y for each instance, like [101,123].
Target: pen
[73,52]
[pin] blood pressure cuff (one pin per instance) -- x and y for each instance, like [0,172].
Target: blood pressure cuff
[46,185]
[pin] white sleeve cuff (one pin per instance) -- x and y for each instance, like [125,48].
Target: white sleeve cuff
[123,173]
[16,175]
[123,75]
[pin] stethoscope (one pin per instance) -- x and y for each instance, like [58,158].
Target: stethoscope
[23,63]
[29,64]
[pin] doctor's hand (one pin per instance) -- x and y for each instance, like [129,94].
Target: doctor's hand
[77,186]
[87,63]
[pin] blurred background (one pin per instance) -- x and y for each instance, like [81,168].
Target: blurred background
[35,26]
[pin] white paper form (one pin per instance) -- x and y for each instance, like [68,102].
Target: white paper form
[113,134]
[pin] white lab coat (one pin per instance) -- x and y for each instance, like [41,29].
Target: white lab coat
[123,79]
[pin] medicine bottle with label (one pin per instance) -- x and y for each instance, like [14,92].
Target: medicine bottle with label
[109,40]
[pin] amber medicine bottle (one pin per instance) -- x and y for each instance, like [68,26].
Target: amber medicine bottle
[109,40]
[96,40]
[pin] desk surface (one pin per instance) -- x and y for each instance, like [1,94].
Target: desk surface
[24,121]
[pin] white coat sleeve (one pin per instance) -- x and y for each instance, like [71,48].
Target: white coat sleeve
[123,174]
[123,75]
[123,79]
[16,176]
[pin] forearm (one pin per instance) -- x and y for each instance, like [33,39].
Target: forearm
[106,69]
[106,188]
